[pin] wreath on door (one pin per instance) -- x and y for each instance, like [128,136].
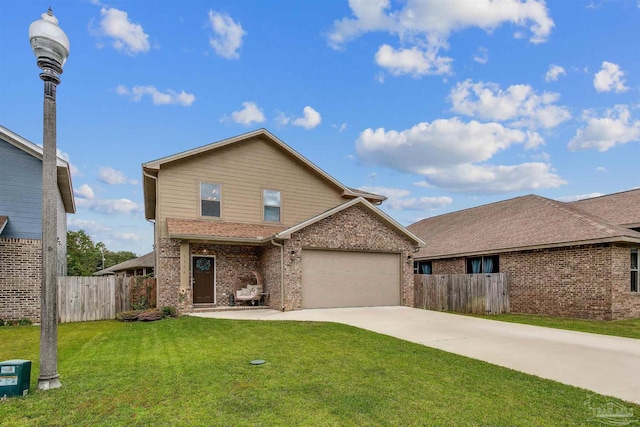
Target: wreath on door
[203,264]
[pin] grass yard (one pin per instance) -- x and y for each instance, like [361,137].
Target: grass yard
[622,328]
[193,371]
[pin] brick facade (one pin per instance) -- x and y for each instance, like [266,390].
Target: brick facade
[448,266]
[234,266]
[20,279]
[168,275]
[589,282]
[270,268]
[355,228]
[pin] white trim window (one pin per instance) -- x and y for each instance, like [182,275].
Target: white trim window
[210,199]
[635,276]
[272,201]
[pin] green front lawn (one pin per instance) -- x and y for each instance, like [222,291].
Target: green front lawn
[622,328]
[192,371]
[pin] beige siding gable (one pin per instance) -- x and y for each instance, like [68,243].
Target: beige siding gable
[244,170]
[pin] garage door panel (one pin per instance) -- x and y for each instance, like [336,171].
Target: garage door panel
[349,279]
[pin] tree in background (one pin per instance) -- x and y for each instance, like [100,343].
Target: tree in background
[85,257]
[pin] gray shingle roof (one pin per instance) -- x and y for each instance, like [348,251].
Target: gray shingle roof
[521,223]
[147,260]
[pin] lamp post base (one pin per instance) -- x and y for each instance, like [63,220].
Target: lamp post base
[49,383]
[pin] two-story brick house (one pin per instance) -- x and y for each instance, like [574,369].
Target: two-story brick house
[252,203]
[21,224]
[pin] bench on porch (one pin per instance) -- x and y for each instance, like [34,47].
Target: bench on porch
[251,293]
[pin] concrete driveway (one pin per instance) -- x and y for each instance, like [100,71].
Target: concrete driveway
[607,365]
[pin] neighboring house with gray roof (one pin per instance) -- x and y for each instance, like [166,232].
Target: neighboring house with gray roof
[21,224]
[141,266]
[575,259]
[252,204]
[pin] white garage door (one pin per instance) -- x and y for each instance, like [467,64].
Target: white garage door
[349,279]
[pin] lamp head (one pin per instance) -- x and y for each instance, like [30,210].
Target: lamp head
[49,43]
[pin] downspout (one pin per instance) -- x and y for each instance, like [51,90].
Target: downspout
[155,237]
[281,246]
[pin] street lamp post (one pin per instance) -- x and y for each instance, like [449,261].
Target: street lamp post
[51,46]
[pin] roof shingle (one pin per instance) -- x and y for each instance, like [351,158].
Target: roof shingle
[619,208]
[515,224]
[212,229]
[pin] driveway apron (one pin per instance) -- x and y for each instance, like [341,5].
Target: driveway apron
[605,364]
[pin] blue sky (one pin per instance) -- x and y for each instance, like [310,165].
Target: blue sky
[440,105]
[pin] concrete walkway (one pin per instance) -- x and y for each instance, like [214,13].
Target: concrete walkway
[605,364]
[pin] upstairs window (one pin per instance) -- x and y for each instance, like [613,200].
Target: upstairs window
[210,198]
[422,267]
[635,277]
[271,201]
[483,264]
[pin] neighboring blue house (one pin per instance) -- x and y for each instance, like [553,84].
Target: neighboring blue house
[21,224]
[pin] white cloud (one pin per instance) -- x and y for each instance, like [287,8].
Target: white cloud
[602,133]
[340,128]
[518,104]
[578,197]
[489,179]
[609,78]
[85,192]
[397,199]
[554,72]
[423,27]
[250,113]
[127,37]
[447,152]
[414,61]
[112,176]
[158,98]
[310,119]
[86,225]
[227,35]
[127,236]
[441,18]
[601,169]
[110,206]
[481,56]
[441,143]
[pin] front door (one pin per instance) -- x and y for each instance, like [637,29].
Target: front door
[203,280]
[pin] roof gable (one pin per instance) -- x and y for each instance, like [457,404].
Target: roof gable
[63,170]
[285,234]
[522,223]
[150,169]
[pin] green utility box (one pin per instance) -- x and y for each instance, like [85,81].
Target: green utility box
[15,377]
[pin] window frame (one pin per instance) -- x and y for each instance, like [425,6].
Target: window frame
[265,206]
[496,263]
[634,270]
[416,266]
[200,199]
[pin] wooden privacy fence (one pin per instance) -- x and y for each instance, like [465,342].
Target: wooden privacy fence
[83,299]
[463,293]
